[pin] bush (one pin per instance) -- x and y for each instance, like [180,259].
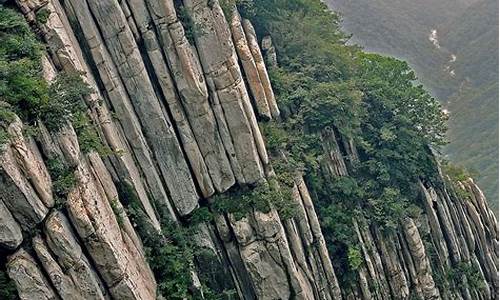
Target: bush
[473,275]
[355,258]
[7,287]
[456,173]
[42,15]
[243,200]
[20,66]
[170,253]
[66,98]
[63,180]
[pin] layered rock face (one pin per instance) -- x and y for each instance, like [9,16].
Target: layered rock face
[431,255]
[180,112]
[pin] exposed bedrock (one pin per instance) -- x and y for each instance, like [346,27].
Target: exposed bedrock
[178,105]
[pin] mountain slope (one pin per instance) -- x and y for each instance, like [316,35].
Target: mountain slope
[148,152]
[461,69]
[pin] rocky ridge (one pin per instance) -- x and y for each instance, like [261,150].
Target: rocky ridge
[181,116]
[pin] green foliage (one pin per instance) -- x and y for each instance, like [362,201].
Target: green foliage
[170,261]
[6,117]
[355,258]
[22,85]
[7,287]
[389,86]
[372,100]
[245,7]
[65,96]
[333,104]
[456,173]
[42,15]
[263,197]
[117,210]
[63,180]
[4,137]
[170,253]
[88,138]
[18,42]
[470,272]
[66,104]
[389,208]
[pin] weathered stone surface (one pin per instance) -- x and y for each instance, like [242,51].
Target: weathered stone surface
[261,67]
[157,126]
[333,163]
[59,280]
[68,56]
[30,282]
[249,66]
[393,269]
[145,32]
[30,162]
[420,260]
[10,232]
[119,99]
[120,267]
[372,260]
[430,198]
[269,52]
[69,255]
[262,258]
[192,99]
[218,59]
[320,252]
[17,193]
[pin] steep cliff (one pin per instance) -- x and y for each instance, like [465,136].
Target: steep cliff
[137,168]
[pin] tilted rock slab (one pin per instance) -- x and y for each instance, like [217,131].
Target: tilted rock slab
[28,278]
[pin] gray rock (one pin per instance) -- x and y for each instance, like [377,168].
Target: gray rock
[218,59]
[192,100]
[17,193]
[157,127]
[30,282]
[261,67]
[10,232]
[70,257]
[249,66]
[420,260]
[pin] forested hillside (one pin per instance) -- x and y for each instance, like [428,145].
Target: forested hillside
[459,66]
[222,150]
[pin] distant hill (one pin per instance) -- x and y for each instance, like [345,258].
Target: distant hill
[453,47]
[473,37]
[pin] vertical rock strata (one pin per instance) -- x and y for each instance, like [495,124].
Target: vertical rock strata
[455,235]
[178,112]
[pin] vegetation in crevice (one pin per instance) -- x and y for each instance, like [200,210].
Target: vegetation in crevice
[42,15]
[24,91]
[63,180]
[471,273]
[171,253]
[191,28]
[245,7]
[455,175]
[242,200]
[117,211]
